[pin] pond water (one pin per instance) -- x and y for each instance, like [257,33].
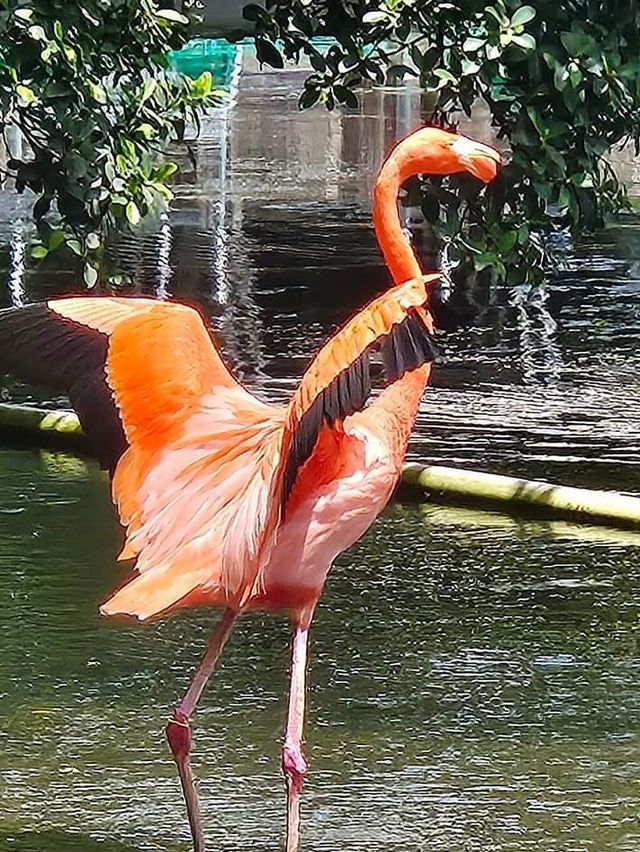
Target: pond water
[474,679]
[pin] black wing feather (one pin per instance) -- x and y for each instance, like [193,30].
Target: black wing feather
[408,345]
[42,347]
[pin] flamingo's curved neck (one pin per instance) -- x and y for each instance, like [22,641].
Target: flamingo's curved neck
[396,248]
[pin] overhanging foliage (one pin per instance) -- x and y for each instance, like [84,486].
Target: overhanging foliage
[88,86]
[561,79]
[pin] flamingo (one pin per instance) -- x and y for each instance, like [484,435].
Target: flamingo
[227,501]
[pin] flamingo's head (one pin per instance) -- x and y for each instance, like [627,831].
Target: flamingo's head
[434,151]
[481,160]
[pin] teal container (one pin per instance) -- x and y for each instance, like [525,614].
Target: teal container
[218,56]
[207,54]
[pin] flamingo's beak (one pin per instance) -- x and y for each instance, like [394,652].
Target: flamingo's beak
[480,160]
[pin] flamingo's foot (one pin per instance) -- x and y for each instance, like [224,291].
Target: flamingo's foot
[294,765]
[178,733]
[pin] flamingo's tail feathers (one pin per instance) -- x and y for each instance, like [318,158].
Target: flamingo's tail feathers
[151,593]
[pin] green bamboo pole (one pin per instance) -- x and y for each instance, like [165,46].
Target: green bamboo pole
[609,506]
[432,481]
[24,420]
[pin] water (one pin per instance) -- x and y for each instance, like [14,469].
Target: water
[473,686]
[474,677]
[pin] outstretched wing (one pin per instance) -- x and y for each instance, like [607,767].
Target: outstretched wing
[192,454]
[133,368]
[337,384]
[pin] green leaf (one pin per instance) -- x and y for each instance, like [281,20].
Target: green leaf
[472,44]
[26,95]
[564,198]
[576,43]
[90,275]
[37,33]
[148,89]
[92,241]
[41,207]
[498,14]
[252,12]
[469,67]
[165,171]
[49,51]
[485,261]
[522,16]
[128,148]
[268,54]
[525,41]
[345,96]
[163,191]
[38,252]
[203,84]
[308,98]
[560,77]
[172,15]
[575,75]
[57,89]
[95,22]
[75,246]
[76,165]
[133,213]
[443,74]
[375,17]
[146,130]
[585,181]
[507,241]
[24,14]
[56,238]
[97,92]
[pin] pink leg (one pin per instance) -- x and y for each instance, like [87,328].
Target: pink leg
[178,730]
[294,765]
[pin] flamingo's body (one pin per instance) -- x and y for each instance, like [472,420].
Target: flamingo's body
[228,501]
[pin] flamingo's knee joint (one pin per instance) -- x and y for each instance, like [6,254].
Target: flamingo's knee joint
[294,764]
[178,733]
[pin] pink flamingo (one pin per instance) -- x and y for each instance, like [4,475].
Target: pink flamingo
[227,501]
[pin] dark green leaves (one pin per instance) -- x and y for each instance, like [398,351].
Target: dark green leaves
[89,87]
[268,54]
[561,81]
[577,42]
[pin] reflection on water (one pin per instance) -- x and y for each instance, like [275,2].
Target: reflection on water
[474,678]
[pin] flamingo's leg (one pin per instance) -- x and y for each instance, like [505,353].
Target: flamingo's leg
[294,764]
[178,730]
